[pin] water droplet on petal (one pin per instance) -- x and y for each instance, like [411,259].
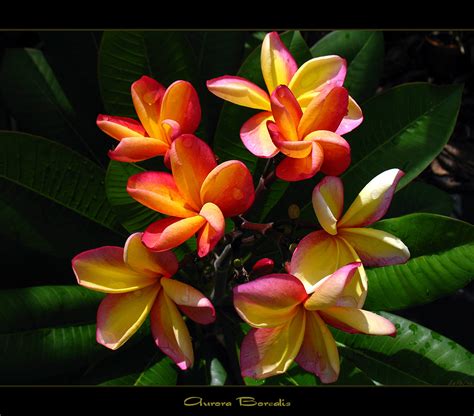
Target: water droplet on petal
[151,97]
[237,194]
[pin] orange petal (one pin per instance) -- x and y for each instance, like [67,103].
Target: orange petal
[295,149]
[158,191]
[120,315]
[278,65]
[325,114]
[286,112]
[170,332]
[170,232]
[255,136]
[147,262]
[213,231]
[103,269]
[181,104]
[291,169]
[239,91]
[136,149]
[230,187]
[120,127]
[318,353]
[191,161]
[337,152]
[147,95]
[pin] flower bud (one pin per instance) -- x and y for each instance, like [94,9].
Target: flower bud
[263,266]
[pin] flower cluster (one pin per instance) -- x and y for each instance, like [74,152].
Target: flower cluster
[304,115]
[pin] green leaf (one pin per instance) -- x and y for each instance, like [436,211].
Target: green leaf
[420,197]
[227,143]
[415,356]
[441,251]
[363,50]
[127,55]
[49,191]
[132,215]
[218,373]
[38,102]
[406,128]
[43,334]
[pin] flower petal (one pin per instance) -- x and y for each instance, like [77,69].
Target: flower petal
[266,352]
[147,95]
[295,149]
[269,301]
[286,112]
[239,91]
[358,321]
[191,161]
[278,65]
[316,74]
[376,248]
[327,291]
[147,262]
[318,353]
[170,332]
[191,301]
[158,191]
[324,113]
[373,201]
[328,202]
[353,118]
[120,315]
[291,169]
[170,232]
[213,231]
[255,137]
[181,104]
[230,187]
[337,152]
[104,270]
[136,149]
[120,127]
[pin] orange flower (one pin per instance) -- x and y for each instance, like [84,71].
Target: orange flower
[198,196]
[164,115]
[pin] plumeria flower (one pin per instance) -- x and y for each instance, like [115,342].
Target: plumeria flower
[198,196]
[138,284]
[308,139]
[164,115]
[289,323]
[311,86]
[345,238]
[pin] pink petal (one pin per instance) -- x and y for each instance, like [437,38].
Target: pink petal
[213,231]
[352,120]
[255,136]
[120,127]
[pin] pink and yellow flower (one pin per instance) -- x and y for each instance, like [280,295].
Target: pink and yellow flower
[138,282]
[198,196]
[299,101]
[289,323]
[164,115]
[345,238]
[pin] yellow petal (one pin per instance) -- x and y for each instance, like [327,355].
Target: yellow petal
[120,315]
[328,202]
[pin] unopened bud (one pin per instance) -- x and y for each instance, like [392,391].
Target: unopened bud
[292,247]
[263,266]
[238,263]
[294,211]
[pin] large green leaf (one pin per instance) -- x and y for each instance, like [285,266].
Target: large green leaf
[420,197]
[49,191]
[441,251]
[227,143]
[415,356]
[363,51]
[44,335]
[38,102]
[405,128]
[127,55]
